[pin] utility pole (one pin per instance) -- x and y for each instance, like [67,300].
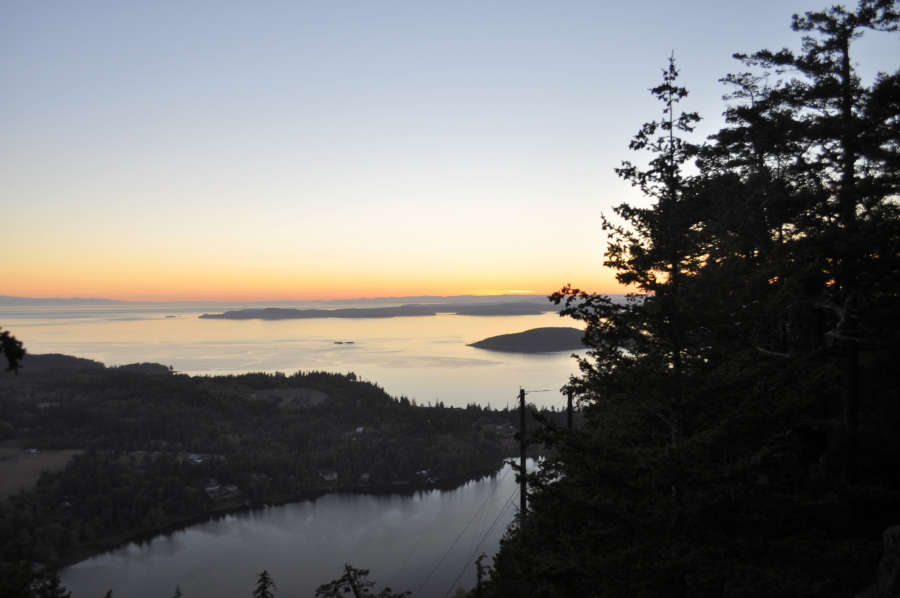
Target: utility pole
[569,410]
[523,495]
[479,572]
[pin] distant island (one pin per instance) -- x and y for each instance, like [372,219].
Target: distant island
[415,309]
[536,340]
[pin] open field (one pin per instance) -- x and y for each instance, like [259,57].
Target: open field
[18,469]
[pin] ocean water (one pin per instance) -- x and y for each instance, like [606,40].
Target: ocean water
[423,358]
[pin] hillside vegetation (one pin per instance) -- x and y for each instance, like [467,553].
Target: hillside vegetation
[154,449]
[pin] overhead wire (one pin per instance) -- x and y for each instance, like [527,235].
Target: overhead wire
[492,526]
[474,516]
[477,546]
[481,508]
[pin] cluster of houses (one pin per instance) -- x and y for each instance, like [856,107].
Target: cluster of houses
[198,459]
[217,491]
[331,476]
[425,475]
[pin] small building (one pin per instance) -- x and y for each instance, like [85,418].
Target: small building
[212,488]
[329,476]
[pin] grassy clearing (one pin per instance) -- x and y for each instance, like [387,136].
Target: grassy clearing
[19,470]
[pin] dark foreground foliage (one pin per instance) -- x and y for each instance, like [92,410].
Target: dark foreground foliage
[12,350]
[356,581]
[742,409]
[20,580]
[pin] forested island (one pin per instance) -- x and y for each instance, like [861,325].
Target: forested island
[154,449]
[536,340]
[518,308]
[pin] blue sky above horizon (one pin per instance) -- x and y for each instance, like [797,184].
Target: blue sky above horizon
[301,150]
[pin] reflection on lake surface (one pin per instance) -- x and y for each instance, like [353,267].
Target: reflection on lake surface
[425,542]
[424,358]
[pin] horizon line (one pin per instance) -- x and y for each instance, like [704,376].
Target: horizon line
[24,299]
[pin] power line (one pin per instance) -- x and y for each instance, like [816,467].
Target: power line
[430,573]
[477,546]
[419,541]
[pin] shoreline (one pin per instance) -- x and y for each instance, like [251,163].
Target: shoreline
[224,509]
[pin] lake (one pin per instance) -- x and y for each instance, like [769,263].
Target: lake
[424,358]
[426,542]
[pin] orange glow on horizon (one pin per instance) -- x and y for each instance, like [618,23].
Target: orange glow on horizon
[263,288]
[135,276]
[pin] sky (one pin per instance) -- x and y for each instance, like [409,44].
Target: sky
[315,150]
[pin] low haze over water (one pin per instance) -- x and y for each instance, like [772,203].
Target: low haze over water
[424,358]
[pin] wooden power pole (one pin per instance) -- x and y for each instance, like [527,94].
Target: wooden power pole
[569,410]
[523,494]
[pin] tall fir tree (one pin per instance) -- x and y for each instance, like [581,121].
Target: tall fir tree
[738,407]
[265,587]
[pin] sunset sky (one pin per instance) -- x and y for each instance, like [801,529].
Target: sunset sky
[312,150]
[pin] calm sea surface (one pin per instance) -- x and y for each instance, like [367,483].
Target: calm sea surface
[426,542]
[424,358]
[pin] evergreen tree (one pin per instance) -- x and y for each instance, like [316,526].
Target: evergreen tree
[16,579]
[50,586]
[265,587]
[356,581]
[12,350]
[727,448]
[845,242]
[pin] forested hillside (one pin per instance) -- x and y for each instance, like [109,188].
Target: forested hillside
[161,449]
[742,408]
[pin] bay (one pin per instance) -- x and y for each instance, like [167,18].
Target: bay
[425,542]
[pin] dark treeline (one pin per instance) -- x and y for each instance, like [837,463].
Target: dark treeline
[161,449]
[21,580]
[742,410]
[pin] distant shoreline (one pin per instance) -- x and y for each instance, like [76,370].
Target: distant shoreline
[409,310]
[17,301]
